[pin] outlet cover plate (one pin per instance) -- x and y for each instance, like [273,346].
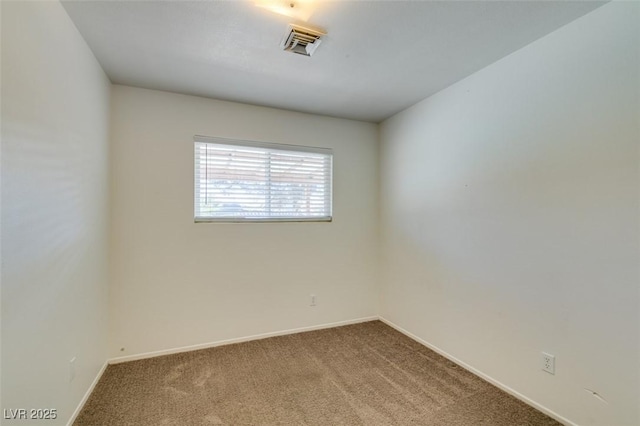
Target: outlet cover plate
[548,363]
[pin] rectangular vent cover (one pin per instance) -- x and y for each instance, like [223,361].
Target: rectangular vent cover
[301,40]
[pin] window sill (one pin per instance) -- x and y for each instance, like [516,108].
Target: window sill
[261,220]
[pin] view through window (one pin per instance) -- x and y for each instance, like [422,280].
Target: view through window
[257,181]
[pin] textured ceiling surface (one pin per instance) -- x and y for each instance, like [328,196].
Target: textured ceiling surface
[378,57]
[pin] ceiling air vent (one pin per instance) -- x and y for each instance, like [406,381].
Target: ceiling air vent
[301,40]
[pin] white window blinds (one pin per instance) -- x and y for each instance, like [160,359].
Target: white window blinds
[254,181]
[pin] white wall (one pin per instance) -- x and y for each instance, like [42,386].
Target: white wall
[510,216]
[55,119]
[177,283]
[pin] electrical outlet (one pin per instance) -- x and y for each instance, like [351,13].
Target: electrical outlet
[313,300]
[72,369]
[548,363]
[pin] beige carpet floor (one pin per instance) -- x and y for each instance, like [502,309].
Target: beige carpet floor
[363,374]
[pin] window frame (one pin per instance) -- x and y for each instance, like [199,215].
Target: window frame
[262,145]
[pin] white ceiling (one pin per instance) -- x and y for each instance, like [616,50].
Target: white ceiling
[378,57]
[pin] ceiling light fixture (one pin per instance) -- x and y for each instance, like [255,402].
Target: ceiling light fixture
[297,9]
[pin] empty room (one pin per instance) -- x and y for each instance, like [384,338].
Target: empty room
[313,212]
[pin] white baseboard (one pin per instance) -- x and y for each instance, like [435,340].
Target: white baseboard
[154,354]
[87,394]
[482,375]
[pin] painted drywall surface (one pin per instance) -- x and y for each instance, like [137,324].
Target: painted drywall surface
[510,218]
[177,283]
[55,119]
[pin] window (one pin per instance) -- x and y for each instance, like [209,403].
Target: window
[241,181]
